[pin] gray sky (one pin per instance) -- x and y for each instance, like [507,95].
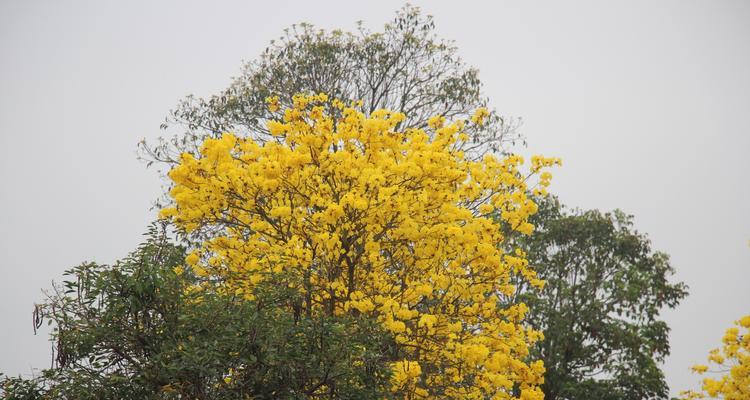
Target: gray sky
[647,103]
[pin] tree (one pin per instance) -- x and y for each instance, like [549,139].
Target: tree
[599,309]
[147,328]
[405,68]
[361,219]
[732,360]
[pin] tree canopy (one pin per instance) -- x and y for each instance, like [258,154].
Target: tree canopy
[405,68]
[599,309]
[362,219]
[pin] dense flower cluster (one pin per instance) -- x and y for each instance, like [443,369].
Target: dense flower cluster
[360,215]
[733,360]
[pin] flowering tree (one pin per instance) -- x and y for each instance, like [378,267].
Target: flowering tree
[733,360]
[361,219]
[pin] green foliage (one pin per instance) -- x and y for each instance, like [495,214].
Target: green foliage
[599,310]
[404,68]
[140,330]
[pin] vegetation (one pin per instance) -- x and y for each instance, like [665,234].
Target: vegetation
[599,309]
[730,364]
[360,219]
[146,328]
[363,232]
[405,68]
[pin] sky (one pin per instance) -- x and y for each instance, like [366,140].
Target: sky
[647,103]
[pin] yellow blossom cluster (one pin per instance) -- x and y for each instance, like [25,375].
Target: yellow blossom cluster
[733,360]
[480,115]
[359,218]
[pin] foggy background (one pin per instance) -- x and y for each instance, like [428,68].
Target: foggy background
[648,104]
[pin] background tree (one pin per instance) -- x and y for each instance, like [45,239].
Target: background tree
[405,68]
[146,328]
[599,309]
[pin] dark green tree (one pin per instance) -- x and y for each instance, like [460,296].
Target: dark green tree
[599,310]
[144,329]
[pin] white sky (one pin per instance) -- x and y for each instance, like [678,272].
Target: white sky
[646,102]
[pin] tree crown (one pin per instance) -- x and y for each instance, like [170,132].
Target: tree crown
[405,68]
[363,219]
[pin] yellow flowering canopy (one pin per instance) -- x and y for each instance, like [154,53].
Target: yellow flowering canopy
[733,361]
[358,215]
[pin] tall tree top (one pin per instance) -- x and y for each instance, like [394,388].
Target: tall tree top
[405,67]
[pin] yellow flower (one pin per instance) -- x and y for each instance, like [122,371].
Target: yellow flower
[168,212]
[192,258]
[699,368]
[273,103]
[733,360]
[480,115]
[436,121]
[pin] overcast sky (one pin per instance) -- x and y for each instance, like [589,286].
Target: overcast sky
[648,104]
